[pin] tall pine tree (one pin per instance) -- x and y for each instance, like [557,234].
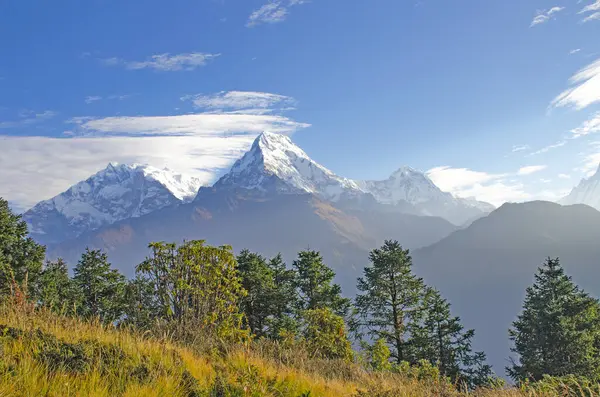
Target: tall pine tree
[21,258]
[440,338]
[390,297]
[56,290]
[315,286]
[101,289]
[558,331]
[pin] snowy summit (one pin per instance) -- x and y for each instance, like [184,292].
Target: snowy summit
[118,192]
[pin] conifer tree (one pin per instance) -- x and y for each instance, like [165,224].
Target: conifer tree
[389,298]
[141,309]
[440,338]
[56,290]
[558,331]
[100,288]
[21,258]
[314,283]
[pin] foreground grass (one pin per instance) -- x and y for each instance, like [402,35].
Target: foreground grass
[46,355]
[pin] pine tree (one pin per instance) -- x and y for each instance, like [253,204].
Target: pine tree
[285,298]
[441,339]
[379,355]
[56,290]
[141,304]
[258,280]
[315,286]
[390,297]
[101,289]
[21,258]
[558,331]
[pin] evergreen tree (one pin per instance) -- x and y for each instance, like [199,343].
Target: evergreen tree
[21,258]
[379,355]
[258,280]
[56,290]
[390,298]
[442,340]
[197,286]
[558,331]
[141,305]
[314,285]
[284,299]
[101,289]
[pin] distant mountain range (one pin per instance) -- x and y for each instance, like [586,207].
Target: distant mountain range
[586,192]
[273,165]
[277,199]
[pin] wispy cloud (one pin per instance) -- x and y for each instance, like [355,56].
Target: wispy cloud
[272,12]
[165,62]
[585,88]
[575,51]
[588,127]
[28,117]
[201,124]
[545,15]
[564,176]
[519,148]
[92,98]
[548,148]
[242,101]
[594,9]
[531,169]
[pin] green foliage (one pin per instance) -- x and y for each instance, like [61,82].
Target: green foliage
[379,356]
[269,304]
[100,289]
[141,305]
[558,331]
[56,290]
[315,285]
[442,340]
[197,286]
[325,334]
[390,297]
[21,258]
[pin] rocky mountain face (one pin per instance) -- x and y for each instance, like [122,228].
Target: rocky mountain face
[485,268]
[118,192]
[586,192]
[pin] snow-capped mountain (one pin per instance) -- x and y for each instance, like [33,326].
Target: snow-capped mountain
[118,192]
[586,192]
[275,164]
[408,185]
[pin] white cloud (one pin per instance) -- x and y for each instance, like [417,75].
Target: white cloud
[548,148]
[201,124]
[592,17]
[588,127]
[247,101]
[37,168]
[92,98]
[531,169]
[585,90]
[564,176]
[519,148]
[272,12]
[544,180]
[594,9]
[545,15]
[166,62]
[575,51]
[28,117]
[453,179]
[496,193]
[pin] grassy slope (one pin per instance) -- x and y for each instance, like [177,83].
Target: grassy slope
[45,355]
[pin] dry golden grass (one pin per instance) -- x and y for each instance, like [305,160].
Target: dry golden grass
[42,354]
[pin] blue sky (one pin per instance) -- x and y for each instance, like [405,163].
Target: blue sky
[468,90]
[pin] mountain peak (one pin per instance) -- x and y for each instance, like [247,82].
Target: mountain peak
[117,192]
[275,163]
[586,192]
